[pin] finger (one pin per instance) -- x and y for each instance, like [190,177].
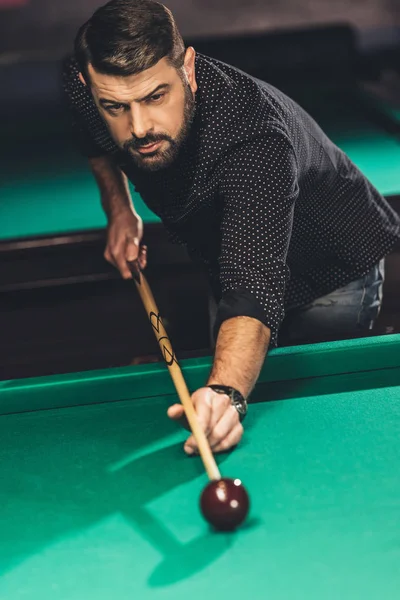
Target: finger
[218,437]
[202,400]
[132,249]
[117,254]
[190,446]
[177,413]
[124,268]
[143,257]
[220,404]
[228,422]
[117,261]
[108,257]
[231,440]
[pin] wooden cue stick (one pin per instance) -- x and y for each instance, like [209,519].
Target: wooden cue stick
[176,373]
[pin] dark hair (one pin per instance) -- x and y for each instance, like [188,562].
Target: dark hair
[125,37]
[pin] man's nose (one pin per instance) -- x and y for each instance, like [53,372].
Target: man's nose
[141,124]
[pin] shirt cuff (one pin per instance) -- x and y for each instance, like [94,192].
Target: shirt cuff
[242,303]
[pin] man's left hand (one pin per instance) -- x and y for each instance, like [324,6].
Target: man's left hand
[216,415]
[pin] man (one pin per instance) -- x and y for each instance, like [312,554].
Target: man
[283,222]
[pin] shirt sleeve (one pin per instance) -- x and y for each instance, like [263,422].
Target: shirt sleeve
[258,190]
[81,110]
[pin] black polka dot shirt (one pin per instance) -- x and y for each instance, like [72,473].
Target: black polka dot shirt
[277,214]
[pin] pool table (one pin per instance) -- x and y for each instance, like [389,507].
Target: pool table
[64,308]
[99,500]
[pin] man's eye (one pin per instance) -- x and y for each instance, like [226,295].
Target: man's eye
[157,97]
[115,109]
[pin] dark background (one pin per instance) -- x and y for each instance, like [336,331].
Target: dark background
[36,34]
[59,313]
[45,28]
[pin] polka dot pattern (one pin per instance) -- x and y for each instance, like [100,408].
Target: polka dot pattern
[276,213]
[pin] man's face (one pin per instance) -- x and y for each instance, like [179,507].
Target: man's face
[148,114]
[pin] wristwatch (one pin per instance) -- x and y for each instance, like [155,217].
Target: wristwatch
[236,398]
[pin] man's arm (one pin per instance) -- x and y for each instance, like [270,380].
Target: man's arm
[258,188]
[125,227]
[113,186]
[240,352]
[241,348]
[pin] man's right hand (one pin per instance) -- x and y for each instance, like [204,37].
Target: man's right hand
[125,231]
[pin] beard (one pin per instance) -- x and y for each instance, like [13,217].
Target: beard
[162,157]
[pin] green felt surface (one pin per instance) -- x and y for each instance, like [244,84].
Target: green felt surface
[376,155]
[313,369]
[99,501]
[341,115]
[48,190]
[49,194]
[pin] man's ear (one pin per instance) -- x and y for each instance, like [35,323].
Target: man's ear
[82,79]
[189,66]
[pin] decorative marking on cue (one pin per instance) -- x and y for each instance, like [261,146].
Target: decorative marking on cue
[168,353]
[157,323]
[166,349]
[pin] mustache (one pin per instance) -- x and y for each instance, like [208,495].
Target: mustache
[151,138]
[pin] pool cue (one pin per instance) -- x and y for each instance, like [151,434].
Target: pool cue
[175,371]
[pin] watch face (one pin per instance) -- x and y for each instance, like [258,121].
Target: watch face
[237,400]
[239,404]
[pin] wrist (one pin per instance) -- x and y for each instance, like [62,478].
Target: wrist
[120,208]
[237,399]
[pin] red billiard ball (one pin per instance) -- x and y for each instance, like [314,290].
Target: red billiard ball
[225,503]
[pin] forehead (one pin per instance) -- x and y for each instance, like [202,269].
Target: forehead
[131,86]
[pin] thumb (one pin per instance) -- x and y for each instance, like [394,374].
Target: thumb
[176,411]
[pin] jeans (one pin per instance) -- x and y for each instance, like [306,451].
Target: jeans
[348,312]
